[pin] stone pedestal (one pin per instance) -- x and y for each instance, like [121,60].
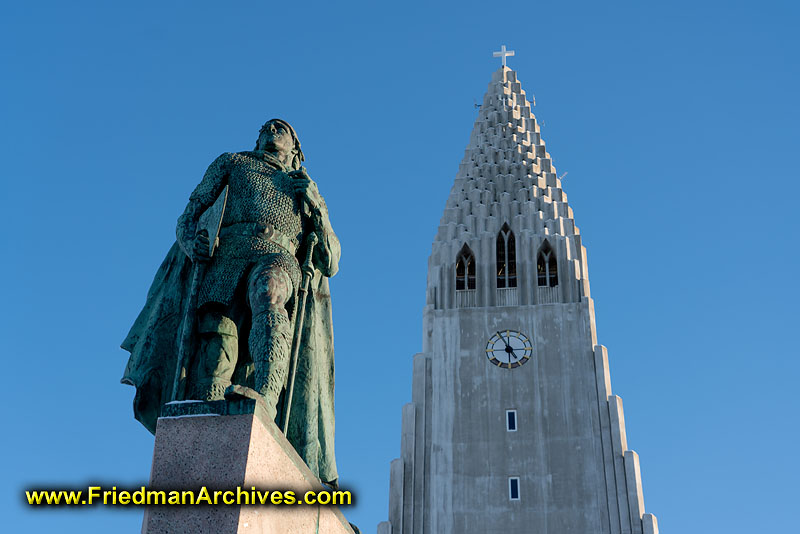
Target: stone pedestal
[223,445]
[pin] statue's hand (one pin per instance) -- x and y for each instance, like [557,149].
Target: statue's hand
[306,187]
[202,244]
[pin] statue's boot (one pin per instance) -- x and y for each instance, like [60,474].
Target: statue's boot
[217,353]
[270,347]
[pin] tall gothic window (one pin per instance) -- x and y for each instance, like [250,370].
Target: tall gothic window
[506,258]
[465,269]
[546,266]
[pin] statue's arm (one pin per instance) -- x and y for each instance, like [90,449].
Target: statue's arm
[203,197]
[328,252]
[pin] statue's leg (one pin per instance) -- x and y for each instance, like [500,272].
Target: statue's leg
[269,290]
[218,350]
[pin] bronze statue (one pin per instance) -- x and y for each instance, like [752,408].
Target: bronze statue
[238,320]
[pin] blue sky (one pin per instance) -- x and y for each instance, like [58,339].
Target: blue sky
[676,122]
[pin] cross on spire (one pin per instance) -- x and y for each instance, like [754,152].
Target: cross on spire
[503,53]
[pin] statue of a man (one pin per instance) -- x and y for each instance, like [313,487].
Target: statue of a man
[248,296]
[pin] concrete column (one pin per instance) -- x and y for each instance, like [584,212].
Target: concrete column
[396,495]
[618,446]
[407,453]
[649,524]
[603,382]
[635,497]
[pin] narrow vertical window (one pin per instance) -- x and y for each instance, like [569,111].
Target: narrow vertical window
[513,488]
[506,258]
[511,420]
[465,269]
[546,267]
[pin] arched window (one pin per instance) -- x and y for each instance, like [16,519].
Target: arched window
[465,269]
[546,267]
[506,258]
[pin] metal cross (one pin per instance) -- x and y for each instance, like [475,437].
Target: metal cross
[503,54]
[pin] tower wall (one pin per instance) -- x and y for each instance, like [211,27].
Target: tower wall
[569,449]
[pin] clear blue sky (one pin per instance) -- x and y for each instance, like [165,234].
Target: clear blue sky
[676,121]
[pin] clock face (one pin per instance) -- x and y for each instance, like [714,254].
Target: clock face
[508,349]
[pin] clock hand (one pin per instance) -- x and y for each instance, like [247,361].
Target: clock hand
[508,350]
[510,354]
[502,338]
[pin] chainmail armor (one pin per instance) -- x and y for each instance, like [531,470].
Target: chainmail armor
[259,192]
[270,346]
[226,273]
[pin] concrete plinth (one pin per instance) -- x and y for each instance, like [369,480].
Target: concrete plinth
[223,445]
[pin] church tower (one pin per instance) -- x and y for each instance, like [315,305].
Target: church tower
[512,427]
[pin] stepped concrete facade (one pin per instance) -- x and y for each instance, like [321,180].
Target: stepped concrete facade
[512,426]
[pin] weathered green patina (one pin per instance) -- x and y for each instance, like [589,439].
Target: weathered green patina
[243,309]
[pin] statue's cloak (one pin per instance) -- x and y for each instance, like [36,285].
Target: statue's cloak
[153,344]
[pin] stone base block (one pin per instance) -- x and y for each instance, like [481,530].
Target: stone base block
[223,445]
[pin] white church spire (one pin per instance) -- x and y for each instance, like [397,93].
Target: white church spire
[507,177]
[512,426]
[506,169]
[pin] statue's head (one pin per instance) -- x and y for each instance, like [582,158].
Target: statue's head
[277,136]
